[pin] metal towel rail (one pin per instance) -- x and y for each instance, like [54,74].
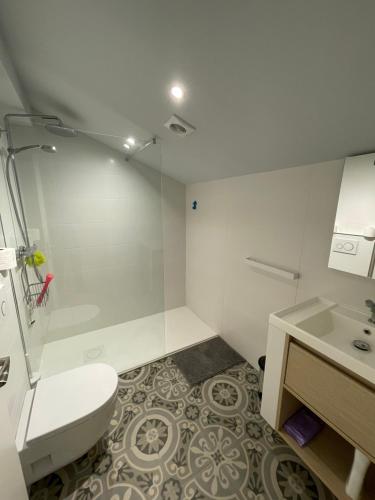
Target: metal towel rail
[271,268]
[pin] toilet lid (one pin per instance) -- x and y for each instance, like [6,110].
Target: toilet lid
[69,397]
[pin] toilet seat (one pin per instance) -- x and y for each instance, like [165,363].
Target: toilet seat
[64,400]
[64,417]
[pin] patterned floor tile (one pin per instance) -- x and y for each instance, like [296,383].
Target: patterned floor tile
[170,441]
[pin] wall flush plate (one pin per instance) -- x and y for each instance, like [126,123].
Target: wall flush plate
[352,254]
[343,245]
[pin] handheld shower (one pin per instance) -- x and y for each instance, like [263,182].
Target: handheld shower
[53,124]
[43,147]
[10,165]
[57,127]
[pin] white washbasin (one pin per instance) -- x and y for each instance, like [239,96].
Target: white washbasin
[331,329]
[339,327]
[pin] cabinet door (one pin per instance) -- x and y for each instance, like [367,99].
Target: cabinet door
[352,247]
[356,205]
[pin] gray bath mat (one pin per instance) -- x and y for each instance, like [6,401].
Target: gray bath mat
[205,360]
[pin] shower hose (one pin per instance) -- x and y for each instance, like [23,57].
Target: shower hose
[22,227]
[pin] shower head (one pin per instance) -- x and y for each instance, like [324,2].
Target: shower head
[61,130]
[44,147]
[57,128]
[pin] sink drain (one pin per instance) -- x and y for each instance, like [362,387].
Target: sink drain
[361,345]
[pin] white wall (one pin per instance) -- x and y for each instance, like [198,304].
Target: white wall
[112,231]
[284,217]
[174,242]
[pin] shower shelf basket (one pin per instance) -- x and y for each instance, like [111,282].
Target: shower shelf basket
[32,292]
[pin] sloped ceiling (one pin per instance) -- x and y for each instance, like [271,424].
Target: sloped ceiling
[270,84]
[9,101]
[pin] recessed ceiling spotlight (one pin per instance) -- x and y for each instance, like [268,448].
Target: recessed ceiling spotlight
[126,146]
[130,140]
[177,92]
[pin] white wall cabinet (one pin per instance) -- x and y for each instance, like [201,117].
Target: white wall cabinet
[353,248]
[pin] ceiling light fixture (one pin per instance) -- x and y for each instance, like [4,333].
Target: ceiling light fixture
[126,146]
[177,92]
[130,140]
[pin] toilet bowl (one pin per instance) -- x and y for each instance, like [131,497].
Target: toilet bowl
[63,417]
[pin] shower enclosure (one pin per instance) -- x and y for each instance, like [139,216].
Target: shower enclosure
[93,210]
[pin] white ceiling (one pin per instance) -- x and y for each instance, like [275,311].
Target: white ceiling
[9,100]
[270,83]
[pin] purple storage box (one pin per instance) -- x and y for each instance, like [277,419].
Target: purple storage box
[303,426]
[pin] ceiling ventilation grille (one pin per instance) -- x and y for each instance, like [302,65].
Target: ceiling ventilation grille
[179,126]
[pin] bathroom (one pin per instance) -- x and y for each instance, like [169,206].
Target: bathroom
[187,188]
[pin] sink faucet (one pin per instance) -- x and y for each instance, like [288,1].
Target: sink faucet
[371,305]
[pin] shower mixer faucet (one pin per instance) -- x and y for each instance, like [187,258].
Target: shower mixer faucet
[371,305]
[24,251]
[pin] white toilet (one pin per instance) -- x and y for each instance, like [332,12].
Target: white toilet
[63,417]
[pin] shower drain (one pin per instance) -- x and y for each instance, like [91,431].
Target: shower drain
[93,353]
[361,345]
